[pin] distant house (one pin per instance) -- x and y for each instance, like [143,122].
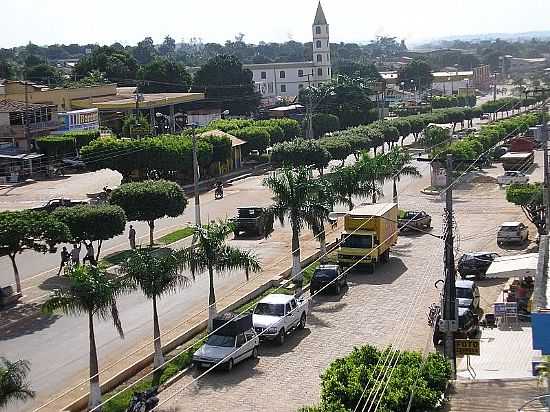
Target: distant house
[235,162]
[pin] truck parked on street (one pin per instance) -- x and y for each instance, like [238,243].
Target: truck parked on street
[369,233]
[517,160]
[252,221]
[276,315]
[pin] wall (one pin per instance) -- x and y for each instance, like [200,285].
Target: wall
[271,85]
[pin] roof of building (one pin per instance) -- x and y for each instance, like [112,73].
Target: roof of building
[284,65]
[235,141]
[12,106]
[150,101]
[513,266]
[319,16]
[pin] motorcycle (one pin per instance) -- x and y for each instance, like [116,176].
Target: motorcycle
[143,401]
[218,193]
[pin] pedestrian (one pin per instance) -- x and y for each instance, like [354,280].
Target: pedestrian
[75,254]
[132,237]
[65,257]
[90,254]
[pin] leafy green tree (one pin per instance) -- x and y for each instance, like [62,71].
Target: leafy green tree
[168,47]
[338,147]
[22,230]
[529,198]
[434,135]
[301,152]
[92,292]
[145,51]
[13,381]
[150,200]
[295,198]
[403,126]
[256,138]
[416,75]
[324,123]
[136,127]
[93,223]
[348,182]
[163,75]
[6,70]
[374,171]
[44,73]
[224,80]
[349,68]
[210,253]
[156,273]
[118,65]
[417,125]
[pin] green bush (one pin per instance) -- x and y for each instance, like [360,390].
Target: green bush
[343,383]
[338,147]
[323,123]
[67,143]
[256,138]
[300,152]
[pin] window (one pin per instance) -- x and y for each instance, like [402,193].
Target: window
[317,29]
[282,74]
[283,88]
[319,72]
[263,75]
[270,87]
[288,309]
[319,58]
[300,73]
[318,44]
[293,304]
[240,340]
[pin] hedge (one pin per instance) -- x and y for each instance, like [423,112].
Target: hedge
[70,142]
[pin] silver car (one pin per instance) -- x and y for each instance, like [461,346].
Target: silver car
[227,351]
[512,232]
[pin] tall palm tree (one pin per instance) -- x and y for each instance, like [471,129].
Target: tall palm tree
[325,198]
[374,170]
[92,292]
[156,273]
[295,198]
[399,165]
[13,381]
[347,182]
[210,253]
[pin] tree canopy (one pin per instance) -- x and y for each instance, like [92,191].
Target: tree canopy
[163,75]
[529,198]
[416,75]
[118,65]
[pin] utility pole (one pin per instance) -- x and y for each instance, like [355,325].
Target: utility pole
[309,108]
[546,189]
[196,179]
[449,324]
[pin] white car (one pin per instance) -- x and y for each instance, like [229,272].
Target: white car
[512,232]
[227,350]
[277,314]
[512,176]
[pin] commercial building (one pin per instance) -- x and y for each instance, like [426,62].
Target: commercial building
[275,80]
[76,120]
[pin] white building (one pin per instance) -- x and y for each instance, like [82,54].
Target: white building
[287,79]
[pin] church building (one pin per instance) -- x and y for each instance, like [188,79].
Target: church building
[287,79]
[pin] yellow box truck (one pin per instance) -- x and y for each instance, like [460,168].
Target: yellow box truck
[369,233]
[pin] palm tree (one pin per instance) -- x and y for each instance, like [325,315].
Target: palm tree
[347,182]
[325,199]
[156,273]
[373,170]
[93,292]
[13,381]
[399,165]
[210,253]
[295,198]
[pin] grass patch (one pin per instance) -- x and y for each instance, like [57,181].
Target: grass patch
[116,258]
[176,235]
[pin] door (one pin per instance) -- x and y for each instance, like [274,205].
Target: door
[241,348]
[476,297]
[290,316]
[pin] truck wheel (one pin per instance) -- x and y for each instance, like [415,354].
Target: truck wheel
[369,268]
[255,353]
[281,337]
[302,323]
[236,234]
[229,365]
[338,288]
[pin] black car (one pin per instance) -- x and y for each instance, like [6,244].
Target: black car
[468,326]
[475,264]
[326,274]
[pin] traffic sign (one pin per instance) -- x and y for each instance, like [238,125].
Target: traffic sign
[467,347]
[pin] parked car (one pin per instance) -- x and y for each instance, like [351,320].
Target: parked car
[324,275]
[512,176]
[414,219]
[468,326]
[234,340]
[53,204]
[277,314]
[485,116]
[252,221]
[467,294]
[512,232]
[475,264]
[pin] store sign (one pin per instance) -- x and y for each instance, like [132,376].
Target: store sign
[467,347]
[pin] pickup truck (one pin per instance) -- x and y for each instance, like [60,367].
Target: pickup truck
[276,315]
[512,176]
[252,221]
[413,219]
[53,204]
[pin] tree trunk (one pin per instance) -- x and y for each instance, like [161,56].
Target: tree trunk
[95,390]
[99,243]
[296,266]
[373,191]
[350,203]
[151,230]
[211,300]
[323,241]
[374,148]
[15,273]
[159,358]
[395,190]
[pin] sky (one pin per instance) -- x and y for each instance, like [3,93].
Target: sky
[106,21]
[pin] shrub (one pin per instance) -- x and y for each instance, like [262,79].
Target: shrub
[256,138]
[300,152]
[323,123]
[338,147]
[70,142]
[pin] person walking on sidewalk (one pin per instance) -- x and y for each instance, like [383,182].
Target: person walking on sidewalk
[65,257]
[132,237]
[90,254]
[75,254]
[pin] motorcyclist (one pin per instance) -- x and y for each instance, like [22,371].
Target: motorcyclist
[219,189]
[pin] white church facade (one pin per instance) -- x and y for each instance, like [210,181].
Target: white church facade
[287,79]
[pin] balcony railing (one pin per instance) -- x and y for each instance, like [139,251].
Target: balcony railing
[19,130]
